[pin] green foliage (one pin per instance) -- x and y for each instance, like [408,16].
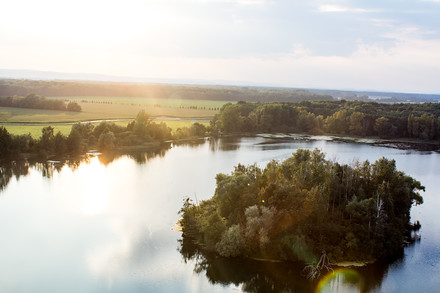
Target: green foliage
[60,142]
[382,126]
[47,140]
[357,123]
[33,101]
[423,127]
[73,107]
[296,208]
[419,121]
[5,141]
[140,123]
[107,141]
[337,123]
[105,136]
[231,242]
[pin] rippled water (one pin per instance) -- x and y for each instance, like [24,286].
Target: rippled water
[105,225]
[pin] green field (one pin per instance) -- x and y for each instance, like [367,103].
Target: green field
[147,102]
[97,112]
[35,130]
[114,108]
[106,108]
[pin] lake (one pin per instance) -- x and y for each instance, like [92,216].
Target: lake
[105,224]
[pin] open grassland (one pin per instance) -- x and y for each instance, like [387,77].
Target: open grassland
[148,102]
[175,124]
[128,107]
[35,130]
[97,112]
[115,108]
[23,121]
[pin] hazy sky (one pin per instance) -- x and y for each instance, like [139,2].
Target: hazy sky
[365,44]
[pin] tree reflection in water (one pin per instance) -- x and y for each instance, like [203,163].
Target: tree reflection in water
[47,168]
[10,169]
[228,143]
[265,276]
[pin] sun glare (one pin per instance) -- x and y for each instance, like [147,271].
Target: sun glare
[95,191]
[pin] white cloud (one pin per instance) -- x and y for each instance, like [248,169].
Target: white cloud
[189,39]
[338,8]
[411,66]
[240,2]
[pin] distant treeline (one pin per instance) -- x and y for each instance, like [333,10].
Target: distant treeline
[382,97]
[33,101]
[10,87]
[142,133]
[293,210]
[419,121]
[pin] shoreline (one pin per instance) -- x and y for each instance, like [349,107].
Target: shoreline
[396,143]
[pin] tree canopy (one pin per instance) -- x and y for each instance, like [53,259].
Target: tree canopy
[33,101]
[418,121]
[293,210]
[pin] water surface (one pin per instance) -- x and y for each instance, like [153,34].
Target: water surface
[105,225]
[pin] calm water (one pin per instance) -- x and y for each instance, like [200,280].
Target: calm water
[105,225]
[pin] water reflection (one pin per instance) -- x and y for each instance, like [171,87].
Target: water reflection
[103,223]
[230,143]
[11,169]
[264,276]
[196,142]
[140,157]
[18,168]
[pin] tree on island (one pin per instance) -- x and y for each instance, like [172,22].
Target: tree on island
[293,210]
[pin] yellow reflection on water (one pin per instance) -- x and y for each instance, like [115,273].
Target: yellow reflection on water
[340,280]
[95,190]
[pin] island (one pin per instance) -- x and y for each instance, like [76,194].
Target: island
[306,208]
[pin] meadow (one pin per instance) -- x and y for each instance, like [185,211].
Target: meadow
[176,113]
[147,102]
[35,129]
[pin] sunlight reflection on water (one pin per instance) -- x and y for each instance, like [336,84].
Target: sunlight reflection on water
[105,225]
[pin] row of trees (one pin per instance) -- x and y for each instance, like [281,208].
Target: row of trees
[159,91]
[420,121]
[33,101]
[106,136]
[293,210]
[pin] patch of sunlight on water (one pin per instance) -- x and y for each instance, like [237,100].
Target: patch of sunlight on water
[94,187]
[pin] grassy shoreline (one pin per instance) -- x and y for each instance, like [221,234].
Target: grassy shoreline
[34,129]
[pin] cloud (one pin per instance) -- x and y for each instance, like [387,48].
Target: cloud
[240,2]
[411,65]
[337,8]
[262,41]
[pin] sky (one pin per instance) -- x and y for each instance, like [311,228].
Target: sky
[383,45]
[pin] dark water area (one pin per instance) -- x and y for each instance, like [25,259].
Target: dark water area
[104,224]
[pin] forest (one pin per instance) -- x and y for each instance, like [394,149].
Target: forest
[419,122]
[32,101]
[295,209]
[355,118]
[9,87]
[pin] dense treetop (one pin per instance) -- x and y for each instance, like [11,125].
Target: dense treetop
[419,121]
[33,101]
[293,210]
